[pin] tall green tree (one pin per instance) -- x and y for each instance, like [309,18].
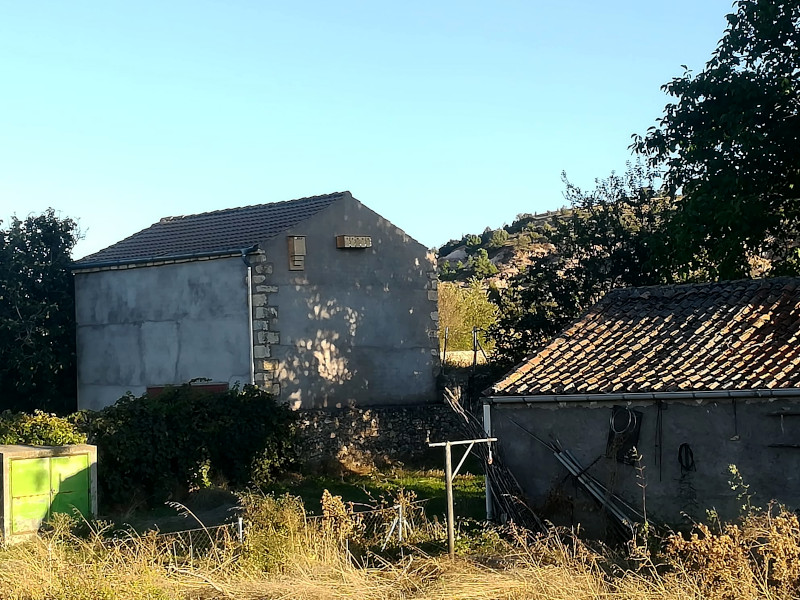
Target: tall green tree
[730,144]
[614,236]
[37,314]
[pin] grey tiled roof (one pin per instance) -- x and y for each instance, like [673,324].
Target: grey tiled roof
[735,335]
[211,232]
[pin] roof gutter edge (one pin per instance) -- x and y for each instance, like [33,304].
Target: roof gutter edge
[188,256]
[641,396]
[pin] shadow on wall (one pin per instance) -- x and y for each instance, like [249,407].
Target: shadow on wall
[352,350]
[355,325]
[319,363]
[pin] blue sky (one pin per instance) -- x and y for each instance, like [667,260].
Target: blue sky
[445,117]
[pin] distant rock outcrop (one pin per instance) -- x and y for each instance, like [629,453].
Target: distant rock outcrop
[510,249]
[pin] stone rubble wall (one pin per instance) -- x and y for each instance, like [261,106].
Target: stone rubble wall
[375,436]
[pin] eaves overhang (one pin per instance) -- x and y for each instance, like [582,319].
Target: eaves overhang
[159,260]
[645,396]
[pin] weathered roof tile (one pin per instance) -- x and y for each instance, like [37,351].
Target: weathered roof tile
[729,335]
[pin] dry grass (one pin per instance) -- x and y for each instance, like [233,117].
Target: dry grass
[290,556]
[59,565]
[462,358]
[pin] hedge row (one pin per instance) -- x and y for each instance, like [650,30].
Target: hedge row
[154,448]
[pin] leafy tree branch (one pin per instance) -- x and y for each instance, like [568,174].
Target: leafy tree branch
[730,144]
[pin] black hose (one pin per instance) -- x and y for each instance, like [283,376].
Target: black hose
[686,458]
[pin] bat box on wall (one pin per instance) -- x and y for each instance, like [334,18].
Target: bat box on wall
[353,241]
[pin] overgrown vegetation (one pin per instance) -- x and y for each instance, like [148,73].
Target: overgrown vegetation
[289,554]
[154,448]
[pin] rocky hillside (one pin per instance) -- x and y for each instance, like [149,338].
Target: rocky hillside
[499,254]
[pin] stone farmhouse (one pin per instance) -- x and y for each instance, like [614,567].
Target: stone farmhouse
[319,300]
[692,378]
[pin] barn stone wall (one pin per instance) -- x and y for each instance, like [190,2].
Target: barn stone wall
[366,437]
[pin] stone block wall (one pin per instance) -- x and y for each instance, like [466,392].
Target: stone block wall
[367,437]
[432,289]
[265,324]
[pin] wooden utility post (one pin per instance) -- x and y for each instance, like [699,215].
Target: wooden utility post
[449,473]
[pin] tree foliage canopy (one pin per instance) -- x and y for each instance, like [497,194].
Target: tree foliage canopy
[730,144]
[37,314]
[613,237]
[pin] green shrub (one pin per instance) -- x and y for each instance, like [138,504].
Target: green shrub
[153,448]
[38,429]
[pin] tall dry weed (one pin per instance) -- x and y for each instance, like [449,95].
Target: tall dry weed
[289,555]
[58,565]
[759,557]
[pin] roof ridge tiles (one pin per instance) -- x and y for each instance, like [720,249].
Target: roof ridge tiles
[251,206]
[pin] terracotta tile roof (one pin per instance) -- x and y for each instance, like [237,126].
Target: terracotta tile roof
[732,335]
[211,232]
